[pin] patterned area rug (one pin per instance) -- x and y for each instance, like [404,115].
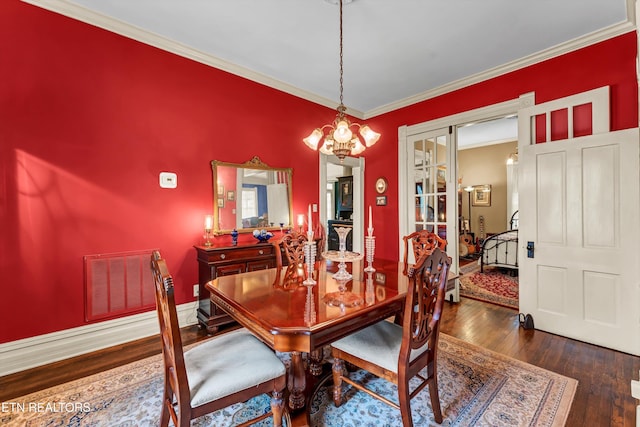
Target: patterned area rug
[494,285]
[477,388]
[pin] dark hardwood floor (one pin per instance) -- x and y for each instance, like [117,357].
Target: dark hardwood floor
[603,397]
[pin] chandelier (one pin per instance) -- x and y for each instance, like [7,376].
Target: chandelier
[338,138]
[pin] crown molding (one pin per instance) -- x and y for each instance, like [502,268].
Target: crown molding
[79,13]
[561,49]
[71,10]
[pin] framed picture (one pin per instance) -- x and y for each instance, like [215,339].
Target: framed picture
[380,278]
[220,190]
[231,195]
[381,200]
[481,195]
[221,202]
[345,192]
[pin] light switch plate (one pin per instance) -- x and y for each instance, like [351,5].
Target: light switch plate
[168,180]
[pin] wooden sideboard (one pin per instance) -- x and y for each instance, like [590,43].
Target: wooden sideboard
[216,261]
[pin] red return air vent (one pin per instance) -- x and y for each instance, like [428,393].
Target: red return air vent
[117,284]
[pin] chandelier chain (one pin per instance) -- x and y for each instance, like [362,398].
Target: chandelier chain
[340,140]
[341,79]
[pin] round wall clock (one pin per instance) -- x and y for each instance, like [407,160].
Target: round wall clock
[381,185]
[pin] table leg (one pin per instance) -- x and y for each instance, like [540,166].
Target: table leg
[297,381]
[315,362]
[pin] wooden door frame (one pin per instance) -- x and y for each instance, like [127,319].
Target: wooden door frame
[357,163]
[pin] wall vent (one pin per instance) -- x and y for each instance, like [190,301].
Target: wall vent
[118,284]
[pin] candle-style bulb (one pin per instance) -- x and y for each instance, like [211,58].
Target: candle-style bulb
[208,222]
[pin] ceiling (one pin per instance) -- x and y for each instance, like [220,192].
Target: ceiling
[395,52]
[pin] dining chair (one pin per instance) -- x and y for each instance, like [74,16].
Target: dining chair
[321,237]
[399,353]
[422,242]
[227,369]
[292,246]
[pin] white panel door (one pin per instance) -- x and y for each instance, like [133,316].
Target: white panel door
[580,209]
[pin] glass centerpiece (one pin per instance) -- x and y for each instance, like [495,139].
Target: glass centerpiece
[342,298]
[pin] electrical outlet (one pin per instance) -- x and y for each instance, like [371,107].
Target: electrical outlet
[196,290]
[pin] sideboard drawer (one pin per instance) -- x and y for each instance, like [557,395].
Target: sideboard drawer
[228,269]
[239,253]
[248,253]
[217,261]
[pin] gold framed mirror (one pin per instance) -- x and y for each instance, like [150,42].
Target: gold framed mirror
[251,195]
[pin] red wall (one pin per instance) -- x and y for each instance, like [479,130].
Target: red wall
[88,119]
[611,62]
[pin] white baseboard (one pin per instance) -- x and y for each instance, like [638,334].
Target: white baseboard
[16,356]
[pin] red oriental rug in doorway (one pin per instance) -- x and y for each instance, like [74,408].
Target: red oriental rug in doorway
[494,285]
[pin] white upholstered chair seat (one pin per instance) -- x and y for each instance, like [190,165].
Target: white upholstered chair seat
[227,364]
[378,344]
[389,351]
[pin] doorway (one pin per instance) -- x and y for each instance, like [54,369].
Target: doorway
[487,200]
[455,206]
[487,181]
[331,170]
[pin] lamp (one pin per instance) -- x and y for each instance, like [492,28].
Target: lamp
[208,228]
[513,158]
[339,138]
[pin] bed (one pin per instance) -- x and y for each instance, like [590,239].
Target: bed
[501,250]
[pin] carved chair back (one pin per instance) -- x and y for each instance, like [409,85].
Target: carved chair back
[423,309]
[321,237]
[423,242]
[292,245]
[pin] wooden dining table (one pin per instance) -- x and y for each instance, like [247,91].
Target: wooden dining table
[292,317]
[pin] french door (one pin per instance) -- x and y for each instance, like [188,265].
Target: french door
[431,194]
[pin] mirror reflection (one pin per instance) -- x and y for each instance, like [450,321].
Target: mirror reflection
[251,195]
